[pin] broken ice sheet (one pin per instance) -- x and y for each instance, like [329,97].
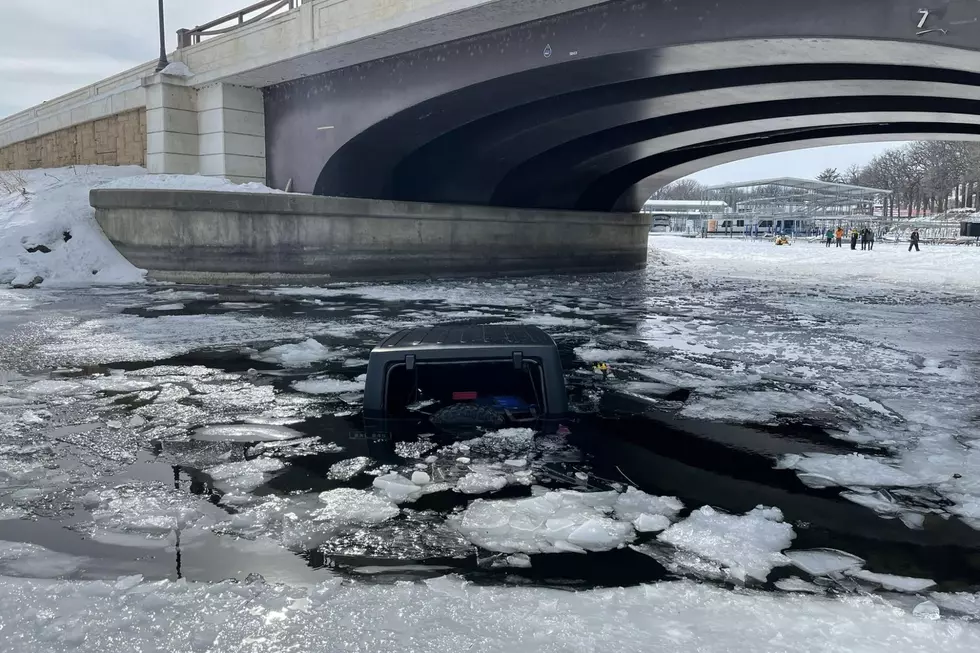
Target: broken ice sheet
[891,582]
[245,475]
[748,545]
[348,469]
[824,562]
[849,469]
[245,433]
[554,522]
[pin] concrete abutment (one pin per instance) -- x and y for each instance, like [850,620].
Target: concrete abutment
[208,237]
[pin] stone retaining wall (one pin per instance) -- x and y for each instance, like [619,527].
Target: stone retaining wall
[114,140]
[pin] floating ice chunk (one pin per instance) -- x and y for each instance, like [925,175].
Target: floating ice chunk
[421,478]
[302,354]
[797,584]
[926,610]
[345,470]
[463,460]
[850,469]
[890,582]
[397,488]
[521,560]
[823,562]
[552,522]
[633,503]
[33,561]
[419,405]
[747,545]
[245,433]
[600,534]
[595,355]
[350,506]
[515,462]
[12,512]
[149,509]
[963,602]
[650,523]
[126,583]
[166,307]
[245,475]
[54,387]
[327,386]
[481,482]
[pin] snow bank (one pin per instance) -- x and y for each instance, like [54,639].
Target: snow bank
[301,354]
[746,545]
[955,268]
[117,617]
[54,219]
[48,229]
[187,182]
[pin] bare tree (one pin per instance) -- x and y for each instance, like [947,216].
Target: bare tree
[682,189]
[830,174]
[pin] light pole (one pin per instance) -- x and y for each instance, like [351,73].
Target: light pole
[163,42]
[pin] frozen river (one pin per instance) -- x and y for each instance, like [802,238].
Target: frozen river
[213,433]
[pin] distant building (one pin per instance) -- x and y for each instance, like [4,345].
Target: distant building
[668,214]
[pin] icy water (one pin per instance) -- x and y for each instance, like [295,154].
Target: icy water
[189,432]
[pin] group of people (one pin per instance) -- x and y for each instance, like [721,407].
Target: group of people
[866,236]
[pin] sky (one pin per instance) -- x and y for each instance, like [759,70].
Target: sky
[52,47]
[806,163]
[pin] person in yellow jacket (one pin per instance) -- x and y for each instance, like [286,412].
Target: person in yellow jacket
[839,235]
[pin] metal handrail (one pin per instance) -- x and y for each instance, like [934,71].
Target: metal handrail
[187,37]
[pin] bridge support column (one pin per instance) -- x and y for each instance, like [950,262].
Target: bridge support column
[171,125]
[231,129]
[216,130]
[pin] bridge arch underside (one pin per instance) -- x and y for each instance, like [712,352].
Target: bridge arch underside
[602,133]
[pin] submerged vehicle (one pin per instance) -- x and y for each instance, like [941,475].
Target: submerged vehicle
[461,376]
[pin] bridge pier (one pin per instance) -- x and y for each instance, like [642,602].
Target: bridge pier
[206,237]
[217,130]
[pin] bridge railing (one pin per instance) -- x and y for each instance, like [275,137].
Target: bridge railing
[234,20]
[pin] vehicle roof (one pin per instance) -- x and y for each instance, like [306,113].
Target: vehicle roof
[466,336]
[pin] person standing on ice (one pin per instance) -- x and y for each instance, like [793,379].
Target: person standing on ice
[854,238]
[829,236]
[865,237]
[871,239]
[914,240]
[840,235]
